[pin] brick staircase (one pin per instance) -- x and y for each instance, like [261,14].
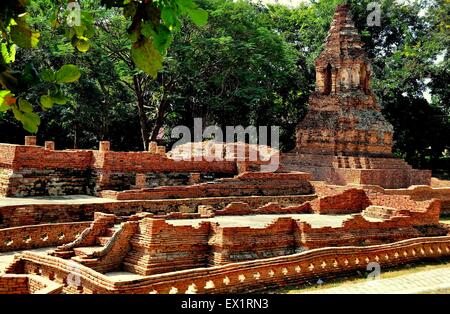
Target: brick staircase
[88,255]
[91,239]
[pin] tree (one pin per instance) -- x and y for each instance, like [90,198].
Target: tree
[151,32]
[234,71]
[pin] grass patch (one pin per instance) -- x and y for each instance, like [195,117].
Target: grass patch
[438,291]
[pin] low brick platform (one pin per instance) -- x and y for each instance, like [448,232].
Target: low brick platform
[29,170]
[245,184]
[249,276]
[31,212]
[37,236]
[145,244]
[389,173]
[421,193]
[28,284]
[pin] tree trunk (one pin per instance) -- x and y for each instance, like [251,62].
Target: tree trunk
[141,111]
[159,119]
[75,136]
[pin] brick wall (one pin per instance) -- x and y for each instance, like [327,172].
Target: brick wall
[46,235]
[14,285]
[347,202]
[234,244]
[28,284]
[245,184]
[20,215]
[160,246]
[358,231]
[34,170]
[415,194]
[249,276]
[390,173]
[111,256]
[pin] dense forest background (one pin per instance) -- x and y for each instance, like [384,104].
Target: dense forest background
[251,64]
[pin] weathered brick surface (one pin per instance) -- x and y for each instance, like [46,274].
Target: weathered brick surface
[344,116]
[420,193]
[14,285]
[20,215]
[386,172]
[158,246]
[102,222]
[234,244]
[34,170]
[246,276]
[245,184]
[109,257]
[241,208]
[45,235]
[344,138]
[347,202]
[28,284]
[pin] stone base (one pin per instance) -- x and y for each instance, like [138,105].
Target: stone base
[389,173]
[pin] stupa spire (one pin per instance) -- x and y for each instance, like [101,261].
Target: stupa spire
[344,116]
[343,65]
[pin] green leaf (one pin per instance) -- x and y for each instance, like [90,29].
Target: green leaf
[147,57]
[29,74]
[90,31]
[25,106]
[187,4]
[68,73]
[130,9]
[198,16]
[79,30]
[31,121]
[17,113]
[8,54]
[82,45]
[5,100]
[48,75]
[169,16]
[46,101]
[60,99]
[162,36]
[3,94]
[23,36]
[4,107]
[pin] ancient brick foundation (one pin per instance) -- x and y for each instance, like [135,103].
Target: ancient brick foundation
[35,170]
[421,193]
[37,236]
[28,284]
[33,214]
[245,184]
[386,172]
[147,245]
[249,276]
[199,226]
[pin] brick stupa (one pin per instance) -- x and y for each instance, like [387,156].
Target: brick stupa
[344,138]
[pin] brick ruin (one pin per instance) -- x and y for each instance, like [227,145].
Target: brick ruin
[344,138]
[149,222]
